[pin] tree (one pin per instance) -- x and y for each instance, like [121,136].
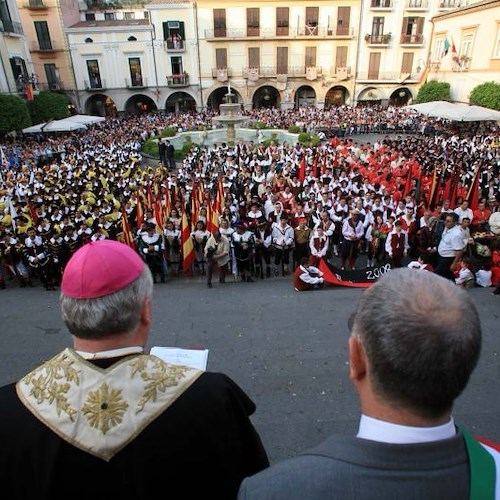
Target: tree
[434,91]
[486,95]
[14,113]
[48,106]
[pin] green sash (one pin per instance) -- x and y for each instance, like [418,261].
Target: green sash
[482,469]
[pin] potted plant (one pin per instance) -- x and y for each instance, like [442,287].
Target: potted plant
[386,37]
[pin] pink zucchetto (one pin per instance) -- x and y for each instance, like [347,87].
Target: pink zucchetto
[100,268]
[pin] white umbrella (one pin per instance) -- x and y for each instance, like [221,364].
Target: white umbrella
[86,119]
[62,126]
[456,111]
[33,129]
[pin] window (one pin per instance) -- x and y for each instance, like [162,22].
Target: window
[176,65]
[496,47]
[18,66]
[310,57]
[89,40]
[253,57]
[466,50]
[407,63]
[43,35]
[341,58]
[412,30]
[253,22]
[220,23]
[134,64]
[109,16]
[132,38]
[282,60]
[282,21]
[94,74]
[89,16]
[343,20]
[221,58]
[51,76]
[312,16]
[146,14]
[438,50]
[378,26]
[129,15]
[173,34]
[374,66]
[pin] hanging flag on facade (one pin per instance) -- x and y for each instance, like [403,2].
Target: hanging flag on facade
[446,47]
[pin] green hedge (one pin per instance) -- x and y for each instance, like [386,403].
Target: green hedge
[486,95]
[434,91]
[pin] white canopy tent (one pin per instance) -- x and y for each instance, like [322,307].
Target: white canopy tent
[85,119]
[63,125]
[457,111]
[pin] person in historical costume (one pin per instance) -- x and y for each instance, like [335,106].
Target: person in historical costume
[71,243]
[200,237]
[283,239]
[302,235]
[11,252]
[408,439]
[396,244]
[38,257]
[172,239]
[217,252]
[243,243]
[151,250]
[352,233]
[307,276]
[108,411]
[318,245]
[262,250]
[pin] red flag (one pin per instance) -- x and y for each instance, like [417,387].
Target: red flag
[302,168]
[167,204]
[407,188]
[473,194]
[150,201]
[187,244]
[434,189]
[139,212]
[33,213]
[212,217]
[127,237]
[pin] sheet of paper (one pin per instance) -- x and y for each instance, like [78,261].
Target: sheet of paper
[196,358]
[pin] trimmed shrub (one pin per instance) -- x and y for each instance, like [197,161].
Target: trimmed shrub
[486,95]
[434,91]
[48,106]
[14,114]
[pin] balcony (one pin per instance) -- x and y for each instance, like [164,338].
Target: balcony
[8,26]
[387,76]
[379,40]
[381,5]
[460,63]
[417,5]
[52,86]
[451,4]
[175,46]
[176,81]
[44,46]
[273,72]
[36,5]
[286,32]
[136,83]
[417,39]
[95,86]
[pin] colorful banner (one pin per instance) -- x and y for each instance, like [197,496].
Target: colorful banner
[357,278]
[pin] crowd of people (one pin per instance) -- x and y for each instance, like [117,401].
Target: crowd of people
[274,203]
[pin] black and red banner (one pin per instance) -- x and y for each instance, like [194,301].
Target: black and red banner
[357,278]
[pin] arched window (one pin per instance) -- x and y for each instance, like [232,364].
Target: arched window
[89,40]
[132,38]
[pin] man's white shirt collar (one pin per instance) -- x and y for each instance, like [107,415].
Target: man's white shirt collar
[387,432]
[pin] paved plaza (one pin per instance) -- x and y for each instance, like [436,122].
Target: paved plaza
[288,351]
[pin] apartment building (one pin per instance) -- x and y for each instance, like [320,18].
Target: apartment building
[132,56]
[43,23]
[279,54]
[465,48]
[16,68]
[394,42]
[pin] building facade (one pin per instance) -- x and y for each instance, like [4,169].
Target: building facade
[174,55]
[16,69]
[465,48]
[43,23]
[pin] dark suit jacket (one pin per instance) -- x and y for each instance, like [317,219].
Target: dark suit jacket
[349,468]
